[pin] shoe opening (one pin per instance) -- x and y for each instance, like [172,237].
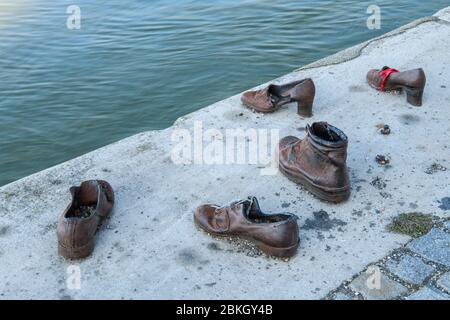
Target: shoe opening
[325,132]
[255,215]
[81,211]
[84,202]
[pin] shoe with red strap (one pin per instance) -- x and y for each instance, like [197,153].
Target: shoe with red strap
[410,81]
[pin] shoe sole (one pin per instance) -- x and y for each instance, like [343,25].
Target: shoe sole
[336,195]
[286,252]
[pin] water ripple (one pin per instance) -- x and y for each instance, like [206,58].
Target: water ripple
[138,65]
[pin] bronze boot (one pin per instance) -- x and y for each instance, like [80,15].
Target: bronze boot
[318,162]
[91,203]
[389,79]
[273,97]
[276,235]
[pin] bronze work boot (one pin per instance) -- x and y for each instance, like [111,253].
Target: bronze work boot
[389,79]
[273,97]
[91,203]
[276,235]
[318,162]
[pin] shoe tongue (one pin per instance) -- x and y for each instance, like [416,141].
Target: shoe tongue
[254,205]
[250,206]
[271,94]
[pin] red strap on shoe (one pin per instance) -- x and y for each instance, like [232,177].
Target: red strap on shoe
[385,73]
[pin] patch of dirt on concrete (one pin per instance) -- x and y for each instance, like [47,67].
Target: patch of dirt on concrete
[145,147]
[285,205]
[233,115]
[7,195]
[434,168]
[322,221]
[445,203]
[357,88]
[3,230]
[378,183]
[414,224]
[408,119]
[357,213]
[190,257]
[213,246]
[386,195]
[211,284]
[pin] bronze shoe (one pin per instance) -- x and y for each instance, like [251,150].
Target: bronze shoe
[276,235]
[389,79]
[91,203]
[318,162]
[273,97]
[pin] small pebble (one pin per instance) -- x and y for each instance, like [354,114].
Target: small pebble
[385,130]
[382,160]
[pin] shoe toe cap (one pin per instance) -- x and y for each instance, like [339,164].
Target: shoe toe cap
[373,77]
[203,216]
[287,141]
[247,98]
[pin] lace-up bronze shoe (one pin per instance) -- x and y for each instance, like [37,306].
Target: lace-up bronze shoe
[390,79]
[273,97]
[318,162]
[91,203]
[276,235]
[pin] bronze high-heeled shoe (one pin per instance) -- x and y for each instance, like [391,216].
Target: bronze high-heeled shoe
[389,79]
[273,97]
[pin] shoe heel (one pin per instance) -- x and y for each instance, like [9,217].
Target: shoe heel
[76,253]
[278,252]
[414,96]
[304,108]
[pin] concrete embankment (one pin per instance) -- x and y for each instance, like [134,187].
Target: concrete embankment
[150,248]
